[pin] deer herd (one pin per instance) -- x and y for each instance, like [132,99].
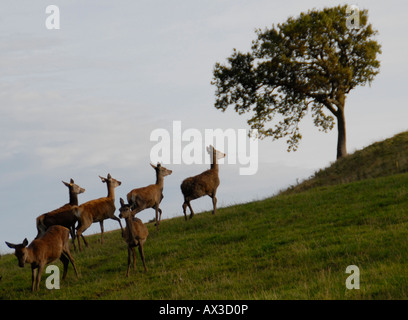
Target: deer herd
[55,227]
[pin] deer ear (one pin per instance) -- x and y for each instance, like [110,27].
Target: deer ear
[25,242]
[103,179]
[109,176]
[66,183]
[72,180]
[153,166]
[10,245]
[122,203]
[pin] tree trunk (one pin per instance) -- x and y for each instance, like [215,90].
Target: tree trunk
[341,139]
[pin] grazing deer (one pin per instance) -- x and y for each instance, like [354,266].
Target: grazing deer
[135,234]
[203,184]
[150,196]
[63,216]
[53,244]
[98,210]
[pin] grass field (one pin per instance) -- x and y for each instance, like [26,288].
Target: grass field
[287,247]
[296,245]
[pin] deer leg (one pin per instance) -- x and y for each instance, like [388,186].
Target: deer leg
[138,205]
[160,211]
[157,216]
[65,262]
[214,201]
[134,258]
[191,210]
[184,210]
[101,224]
[78,236]
[33,271]
[142,255]
[72,232]
[71,259]
[129,254]
[80,230]
[39,273]
[84,239]
[120,223]
[41,230]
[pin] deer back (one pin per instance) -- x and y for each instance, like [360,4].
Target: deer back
[200,185]
[50,246]
[149,196]
[97,210]
[63,216]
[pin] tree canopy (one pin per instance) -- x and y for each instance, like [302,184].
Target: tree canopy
[307,64]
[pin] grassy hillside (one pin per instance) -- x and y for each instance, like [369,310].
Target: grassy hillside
[380,159]
[292,246]
[287,247]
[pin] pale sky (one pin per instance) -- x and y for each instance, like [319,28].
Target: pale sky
[82,101]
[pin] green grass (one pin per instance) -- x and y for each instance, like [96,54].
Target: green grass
[380,159]
[293,246]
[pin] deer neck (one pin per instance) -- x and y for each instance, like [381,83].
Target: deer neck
[160,181]
[214,164]
[111,192]
[73,198]
[29,257]
[129,225]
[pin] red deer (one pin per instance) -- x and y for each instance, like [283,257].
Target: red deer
[63,216]
[98,210]
[203,184]
[135,234]
[150,196]
[44,250]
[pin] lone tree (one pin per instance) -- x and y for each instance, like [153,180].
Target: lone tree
[309,62]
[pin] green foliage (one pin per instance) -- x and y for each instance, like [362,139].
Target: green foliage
[308,63]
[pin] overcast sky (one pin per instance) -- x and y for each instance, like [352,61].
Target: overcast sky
[82,101]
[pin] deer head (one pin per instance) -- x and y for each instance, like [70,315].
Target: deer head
[20,251]
[161,170]
[111,181]
[74,187]
[125,210]
[211,151]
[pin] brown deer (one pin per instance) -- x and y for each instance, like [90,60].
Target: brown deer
[53,244]
[63,216]
[135,234]
[150,196]
[203,184]
[98,210]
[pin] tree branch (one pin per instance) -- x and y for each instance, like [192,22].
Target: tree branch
[327,102]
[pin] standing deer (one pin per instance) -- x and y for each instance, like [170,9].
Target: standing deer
[203,184]
[64,216]
[53,244]
[150,196]
[98,210]
[135,234]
